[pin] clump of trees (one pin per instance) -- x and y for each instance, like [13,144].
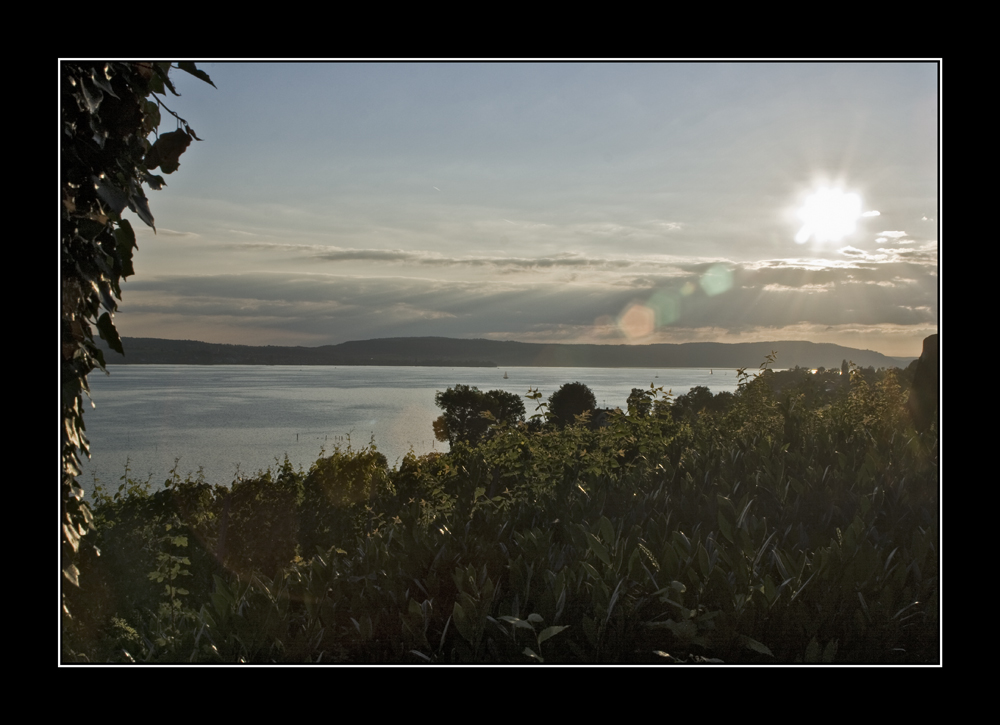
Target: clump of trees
[469,414]
[700,399]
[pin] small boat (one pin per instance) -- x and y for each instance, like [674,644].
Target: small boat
[505,375]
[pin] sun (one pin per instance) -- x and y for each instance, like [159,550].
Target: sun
[828,215]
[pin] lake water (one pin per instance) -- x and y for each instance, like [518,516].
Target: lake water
[220,417]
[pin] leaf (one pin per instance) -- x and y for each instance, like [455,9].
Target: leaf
[115,198]
[101,78]
[72,536]
[632,561]
[703,562]
[151,117]
[137,202]
[756,646]
[550,632]
[725,528]
[812,651]
[108,332]
[88,98]
[155,182]
[607,530]
[155,83]
[189,67]
[72,574]
[598,548]
[167,150]
[125,243]
[769,590]
[162,69]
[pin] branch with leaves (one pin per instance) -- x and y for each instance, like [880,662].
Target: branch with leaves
[108,111]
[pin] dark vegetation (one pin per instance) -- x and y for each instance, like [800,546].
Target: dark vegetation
[570,401]
[793,521]
[469,414]
[107,113]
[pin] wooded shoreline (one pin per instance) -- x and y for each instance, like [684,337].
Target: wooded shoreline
[451,352]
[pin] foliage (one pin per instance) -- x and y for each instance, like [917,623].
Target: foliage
[469,414]
[107,112]
[336,496]
[571,400]
[783,529]
[640,403]
[263,520]
[700,400]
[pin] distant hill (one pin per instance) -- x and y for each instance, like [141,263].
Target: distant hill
[452,352]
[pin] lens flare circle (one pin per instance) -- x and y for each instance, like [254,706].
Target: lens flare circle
[718,279]
[637,321]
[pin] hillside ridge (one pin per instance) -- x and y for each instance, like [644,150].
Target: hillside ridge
[457,352]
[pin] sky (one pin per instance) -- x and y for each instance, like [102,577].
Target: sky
[603,202]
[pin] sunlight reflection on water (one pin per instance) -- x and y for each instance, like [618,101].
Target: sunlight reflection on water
[216,417]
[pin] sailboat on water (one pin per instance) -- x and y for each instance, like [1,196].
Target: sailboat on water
[505,375]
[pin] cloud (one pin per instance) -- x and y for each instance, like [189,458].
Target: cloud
[568,260]
[776,295]
[804,288]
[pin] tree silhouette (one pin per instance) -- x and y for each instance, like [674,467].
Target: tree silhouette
[464,408]
[640,402]
[569,401]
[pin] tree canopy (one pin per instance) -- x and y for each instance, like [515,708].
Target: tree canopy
[469,413]
[640,402]
[571,400]
[108,111]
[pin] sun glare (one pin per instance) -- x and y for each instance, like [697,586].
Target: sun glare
[828,216]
